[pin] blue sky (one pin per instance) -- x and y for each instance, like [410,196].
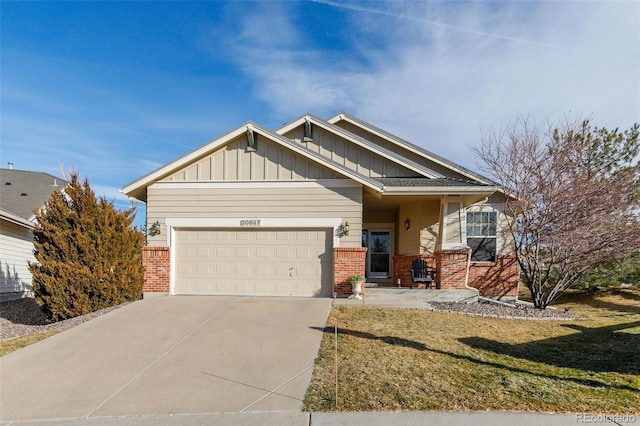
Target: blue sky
[116,89]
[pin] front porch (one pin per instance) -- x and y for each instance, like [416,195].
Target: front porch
[430,223]
[409,298]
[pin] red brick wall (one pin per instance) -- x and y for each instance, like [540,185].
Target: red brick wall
[402,268]
[451,268]
[157,273]
[347,261]
[497,279]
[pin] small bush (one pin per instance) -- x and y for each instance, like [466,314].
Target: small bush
[88,254]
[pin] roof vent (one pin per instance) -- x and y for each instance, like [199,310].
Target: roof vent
[55,182]
[7,183]
[24,194]
[308,131]
[10,166]
[252,140]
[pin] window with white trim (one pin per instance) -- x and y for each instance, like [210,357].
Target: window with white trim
[481,235]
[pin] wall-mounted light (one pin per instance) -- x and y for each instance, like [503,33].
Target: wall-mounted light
[154,229]
[407,224]
[345,228]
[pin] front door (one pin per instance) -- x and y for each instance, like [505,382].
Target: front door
[378,253]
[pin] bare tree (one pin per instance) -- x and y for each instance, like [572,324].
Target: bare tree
[573,195]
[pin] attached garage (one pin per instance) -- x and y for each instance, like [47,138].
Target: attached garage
[259,262]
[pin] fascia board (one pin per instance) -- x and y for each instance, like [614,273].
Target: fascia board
[16,219]
[185,159]
[427,190]
[317,158]
[408,146]
[389,155]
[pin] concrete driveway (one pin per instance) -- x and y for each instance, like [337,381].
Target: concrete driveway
[170,355]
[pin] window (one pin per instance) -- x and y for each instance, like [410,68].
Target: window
[481,235]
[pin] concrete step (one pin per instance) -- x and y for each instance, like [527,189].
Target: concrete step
[427,295]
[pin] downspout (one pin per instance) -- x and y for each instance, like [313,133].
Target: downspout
[466,279]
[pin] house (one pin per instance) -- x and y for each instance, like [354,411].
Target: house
[297,210]
[21,192]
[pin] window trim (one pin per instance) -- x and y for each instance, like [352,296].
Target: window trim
[488,236]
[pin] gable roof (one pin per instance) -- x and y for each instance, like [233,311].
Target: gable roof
[22,191]
[428,155]
[357,140]
[137,188]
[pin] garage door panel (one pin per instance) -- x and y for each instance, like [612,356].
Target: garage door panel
[263,262]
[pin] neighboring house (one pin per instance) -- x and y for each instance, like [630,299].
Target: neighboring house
[297,210]
[20,193]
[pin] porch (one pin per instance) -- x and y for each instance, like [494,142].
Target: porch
[422,218]
[408,298]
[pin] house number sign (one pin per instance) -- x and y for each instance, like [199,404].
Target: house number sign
[250,222]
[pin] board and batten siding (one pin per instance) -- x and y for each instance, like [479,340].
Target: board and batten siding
[252,200]
[233,162]
[438,168]
[350,155]
[16,250]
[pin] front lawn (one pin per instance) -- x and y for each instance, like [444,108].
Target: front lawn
[398,359]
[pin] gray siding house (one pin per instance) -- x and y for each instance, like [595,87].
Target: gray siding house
[21,192]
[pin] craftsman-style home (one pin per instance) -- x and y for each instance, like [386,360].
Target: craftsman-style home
[298,210]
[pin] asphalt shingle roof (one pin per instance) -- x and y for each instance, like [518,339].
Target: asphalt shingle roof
[426,182]
[22,191]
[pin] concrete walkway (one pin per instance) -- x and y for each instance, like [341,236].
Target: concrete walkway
[405,418]
[170,355]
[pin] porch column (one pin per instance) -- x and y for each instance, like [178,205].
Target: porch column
[452,268]
[157,271]
[347,261]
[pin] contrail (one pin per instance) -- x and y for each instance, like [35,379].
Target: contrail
[464,30]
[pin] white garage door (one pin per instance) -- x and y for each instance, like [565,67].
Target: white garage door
[271,262]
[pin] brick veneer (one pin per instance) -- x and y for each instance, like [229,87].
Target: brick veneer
[452,269]
[493,279]
[347,261]
[157,269]
[496,280]
[402,268]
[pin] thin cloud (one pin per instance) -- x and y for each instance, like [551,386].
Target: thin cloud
[471,31]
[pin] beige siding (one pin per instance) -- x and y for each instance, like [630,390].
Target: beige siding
[422,237]
[234,163]
[350,155]
[454,222]
[402,151]
[504,243]
[16,250]
[259,202]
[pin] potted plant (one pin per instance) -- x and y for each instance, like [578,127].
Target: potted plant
[356,285]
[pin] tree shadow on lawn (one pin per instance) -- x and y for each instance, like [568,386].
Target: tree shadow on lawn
[398,341]
[595,301]
[601,349]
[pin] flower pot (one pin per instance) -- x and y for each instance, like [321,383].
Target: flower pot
[356,288]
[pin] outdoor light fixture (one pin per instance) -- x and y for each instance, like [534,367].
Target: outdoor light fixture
[407,224]
[154,229]
[345,228]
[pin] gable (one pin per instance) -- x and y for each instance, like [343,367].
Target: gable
[357,158]
[233,162]
[237,163]
[412,152]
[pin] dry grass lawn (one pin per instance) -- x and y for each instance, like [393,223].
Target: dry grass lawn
[10,345]
[397,359]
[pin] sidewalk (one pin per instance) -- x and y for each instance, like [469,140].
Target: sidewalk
[408,418]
